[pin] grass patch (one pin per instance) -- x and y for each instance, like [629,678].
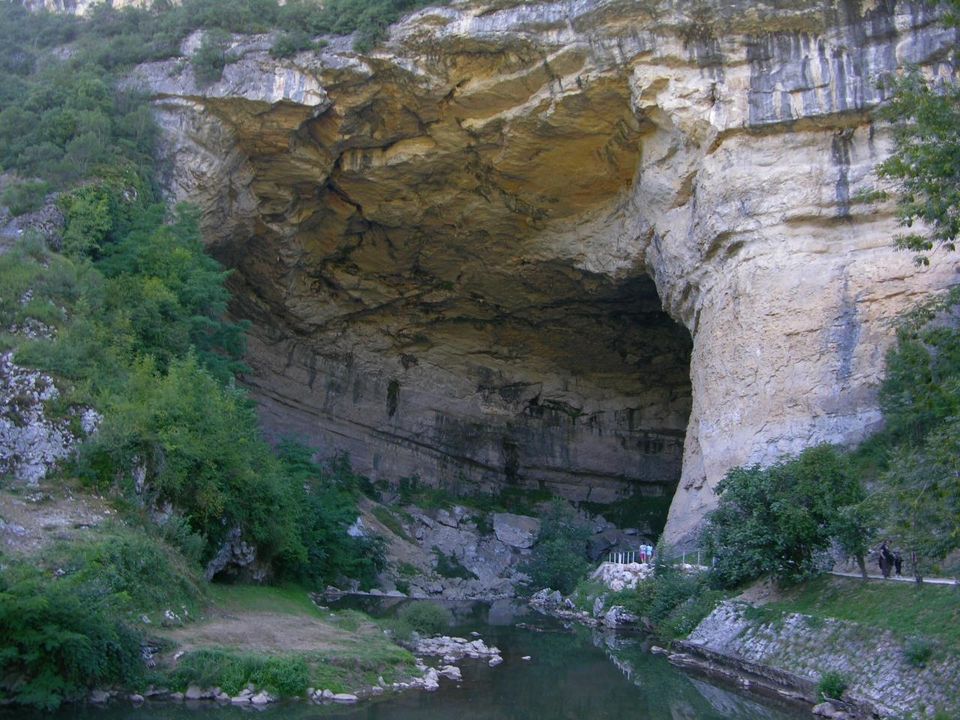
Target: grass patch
[285,599]
[291,675]
[134,572]
[832,685]
[354,654]
[390,521]
[930,611]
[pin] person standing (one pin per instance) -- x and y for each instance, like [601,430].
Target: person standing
[885,560]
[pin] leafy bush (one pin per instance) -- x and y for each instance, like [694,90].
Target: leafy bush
[200,445]
[25,197]
[289,43]
[774,520]
[559,558]
[449,566]
[925,118]
[832,685]
[59,638]
[328,506]
[918,652]
[211,57]
[427,618]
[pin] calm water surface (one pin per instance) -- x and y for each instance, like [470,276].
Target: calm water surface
[573,673]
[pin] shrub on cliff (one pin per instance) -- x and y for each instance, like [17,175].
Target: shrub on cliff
[925,118]
[773,521]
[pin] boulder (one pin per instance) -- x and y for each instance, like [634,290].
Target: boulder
[451,672]
[344,698]
[519,531]
[618,616]
[598,605]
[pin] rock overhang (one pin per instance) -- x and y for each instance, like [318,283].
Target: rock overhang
[488,211]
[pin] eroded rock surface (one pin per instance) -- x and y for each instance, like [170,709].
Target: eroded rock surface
[557,245]
[33,440]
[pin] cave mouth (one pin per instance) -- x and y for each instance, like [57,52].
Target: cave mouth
[546,379]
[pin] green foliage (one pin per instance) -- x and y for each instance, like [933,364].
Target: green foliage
[917,652]
[67,123]
[132,572]
[286,676]
[328,506]
[922,385]
[926,131]
[774,520]
[427,618]
[211,57]
[58,639]
[682,620]
[200,445]
[289,42]
[390,521]
[25,197]
[61,621]
[919,490]
[449,566]
[559,558]
[832,685]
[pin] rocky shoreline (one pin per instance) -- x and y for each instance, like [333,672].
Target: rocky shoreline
[450,649]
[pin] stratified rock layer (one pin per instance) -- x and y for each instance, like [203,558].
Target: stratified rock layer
[553,244]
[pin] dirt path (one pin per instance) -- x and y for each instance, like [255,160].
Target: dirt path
[902,578]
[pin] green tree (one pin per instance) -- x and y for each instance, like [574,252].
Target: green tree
[775,520]
[559,559]
[919,485]
[922,497]
[200,445]
[925,164]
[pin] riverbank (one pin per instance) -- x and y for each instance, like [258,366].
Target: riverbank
[880,650]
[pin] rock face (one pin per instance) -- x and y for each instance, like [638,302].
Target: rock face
[594,247]
[795,643]
[32,440]
[517,531]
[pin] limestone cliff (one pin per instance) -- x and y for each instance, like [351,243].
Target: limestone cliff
[595,246]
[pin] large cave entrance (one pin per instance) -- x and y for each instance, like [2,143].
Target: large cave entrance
[445,274]
[542,378]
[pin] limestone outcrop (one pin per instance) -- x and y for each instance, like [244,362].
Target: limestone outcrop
[597,247]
